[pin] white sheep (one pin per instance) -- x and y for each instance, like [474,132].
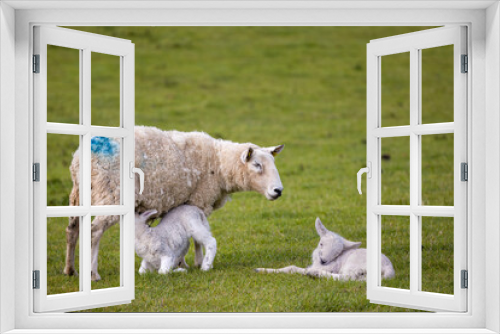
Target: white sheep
[162,248]
[337,258]
[180,168]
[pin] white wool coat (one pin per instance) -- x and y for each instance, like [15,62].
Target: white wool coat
[180,168]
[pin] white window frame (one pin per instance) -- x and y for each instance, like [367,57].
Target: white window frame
[413,44]
[483,20]
[85,44]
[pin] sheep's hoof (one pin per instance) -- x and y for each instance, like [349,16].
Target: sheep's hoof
[163,271]
[180,270]
[70,272]
[95,277]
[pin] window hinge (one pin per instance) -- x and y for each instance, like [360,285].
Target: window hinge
[465,279]
[36,63]
[464,172]
[36,279]
[36,172]
[465,64]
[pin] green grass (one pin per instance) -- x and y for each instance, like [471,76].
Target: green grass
[299,86]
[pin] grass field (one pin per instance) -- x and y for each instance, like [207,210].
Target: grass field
[299,86]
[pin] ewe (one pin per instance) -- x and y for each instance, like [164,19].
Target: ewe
[163,247]
[180,168]
[337,258]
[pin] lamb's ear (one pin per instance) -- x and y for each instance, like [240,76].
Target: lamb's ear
[275,150]
[247,155]
[147,214]
[320,228]
[351,244]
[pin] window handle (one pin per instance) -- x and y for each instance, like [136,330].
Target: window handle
[368,171]
[141,175]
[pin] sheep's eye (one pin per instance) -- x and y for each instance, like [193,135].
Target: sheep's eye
[259,166]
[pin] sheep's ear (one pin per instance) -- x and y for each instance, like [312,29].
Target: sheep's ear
[320,228]
[147,214]
[275,150]
[247,155]
[351,244]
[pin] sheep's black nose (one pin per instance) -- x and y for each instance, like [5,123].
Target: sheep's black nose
[278,191]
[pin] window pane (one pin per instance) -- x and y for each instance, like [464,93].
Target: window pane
[395,177]
[61,151]
[395,239]
[437,84]
[437,254]
[395,93]
[437,169]
[63,85]
[57,281]
[105,90]
[106,173]
[109,253]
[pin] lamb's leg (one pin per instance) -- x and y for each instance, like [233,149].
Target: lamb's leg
[142,269]
[181,262]
[72,233]
[210,245]
[202,236]
[336,277]
[198,254]
[99,225]
[286,270]
[145,267]
[167,263]
[318,272]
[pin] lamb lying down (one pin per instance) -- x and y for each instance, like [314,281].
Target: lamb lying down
[163,247]
[337,258]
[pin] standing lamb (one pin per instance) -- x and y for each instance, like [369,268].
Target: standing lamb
[180,168]
[337,258]
[163,247]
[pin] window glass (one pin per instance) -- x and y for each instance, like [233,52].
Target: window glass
[395,173]
[395,94]
[105,90]
[437,84]
[63,85]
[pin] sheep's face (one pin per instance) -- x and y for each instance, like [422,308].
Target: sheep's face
[260,172]
[331,245]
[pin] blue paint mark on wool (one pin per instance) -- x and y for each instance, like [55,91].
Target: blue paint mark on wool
[104,146]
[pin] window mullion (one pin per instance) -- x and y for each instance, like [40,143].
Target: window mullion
[415,164]
[85,169]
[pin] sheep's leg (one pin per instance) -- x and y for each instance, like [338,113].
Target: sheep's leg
[99,225]
[210,250]
[318,272]
[202,236]
[286,270]
[182,262]
[198,254]
[73,229]
[72,233]
[167,263]
[145,267]
[96,238]
[181,258]
[335,277]
[142,269]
